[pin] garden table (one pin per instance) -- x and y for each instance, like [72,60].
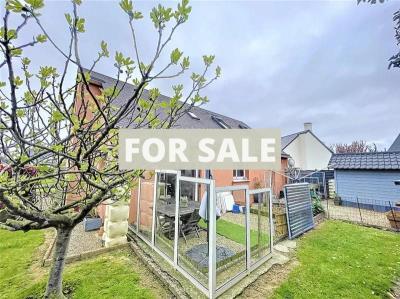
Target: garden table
[168,213]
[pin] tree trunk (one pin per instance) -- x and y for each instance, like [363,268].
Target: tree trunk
[54,285]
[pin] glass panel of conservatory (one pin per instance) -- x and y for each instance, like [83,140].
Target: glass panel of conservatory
[259,226]
[193,249]
[231,235]
[165,213]
[146,198]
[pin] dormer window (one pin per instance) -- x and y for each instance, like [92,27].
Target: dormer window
[192,115]
[220,122]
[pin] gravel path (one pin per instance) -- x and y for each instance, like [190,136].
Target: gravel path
[82,241]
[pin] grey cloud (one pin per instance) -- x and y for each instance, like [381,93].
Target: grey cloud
[284,62]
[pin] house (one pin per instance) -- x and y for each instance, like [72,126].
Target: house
[306,149]
[199,118]
[395,147]
[175,212]
[367,178]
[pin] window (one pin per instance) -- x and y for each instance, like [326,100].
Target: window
[194,116]
[243,126]
[220,122]
[189,173]
[239,174]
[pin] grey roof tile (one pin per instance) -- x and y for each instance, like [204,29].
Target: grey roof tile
[205,120]
[379,160]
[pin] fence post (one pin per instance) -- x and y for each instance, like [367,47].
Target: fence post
[359,210]
[394,216]
[327,207]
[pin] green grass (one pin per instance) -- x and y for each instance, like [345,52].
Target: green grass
[16,253]
[109,275]
[236,232]
[341,260]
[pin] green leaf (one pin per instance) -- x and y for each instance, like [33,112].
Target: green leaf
[12,34]
[20,113]
[57,147]
[47,71]
[41,38]
[75,122]
[2,84]
[218,71]
[57,116]
[176,55]
[127,6]
[35,4]
[44,168]
[78,2]
[18,81]
[119,58]
[14,5]
[80,25]
[208,59]
[137,15]
[26,61]
[24,158]
[104,49]
[69,19]
[16,52]
[185,63]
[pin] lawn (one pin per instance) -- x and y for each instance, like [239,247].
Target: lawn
[236,232]
[116,274]
[341,260]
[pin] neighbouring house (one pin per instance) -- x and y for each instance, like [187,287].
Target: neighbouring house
[306,149]
[395,147]
[367,179]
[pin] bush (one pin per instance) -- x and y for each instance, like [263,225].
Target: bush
[316,205]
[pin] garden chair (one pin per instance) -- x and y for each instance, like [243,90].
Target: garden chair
[190,224]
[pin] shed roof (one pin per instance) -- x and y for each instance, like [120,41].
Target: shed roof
[366,161]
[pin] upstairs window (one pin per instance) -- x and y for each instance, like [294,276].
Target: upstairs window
[192,115]
[239,174]
[220,122]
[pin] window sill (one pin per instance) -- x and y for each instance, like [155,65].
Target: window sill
[238,180]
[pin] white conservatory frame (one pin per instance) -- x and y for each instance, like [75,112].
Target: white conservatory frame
[212,291]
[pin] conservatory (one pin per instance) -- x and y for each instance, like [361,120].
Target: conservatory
[214,236]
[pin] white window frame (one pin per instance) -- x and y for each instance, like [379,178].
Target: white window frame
[192,115]
[237,177]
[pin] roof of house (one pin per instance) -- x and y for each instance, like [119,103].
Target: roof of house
[288,139]
[395,147]
[201,119]
[367,161]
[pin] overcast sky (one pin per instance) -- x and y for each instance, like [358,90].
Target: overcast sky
[284,62]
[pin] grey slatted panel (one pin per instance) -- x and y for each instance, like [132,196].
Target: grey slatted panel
[298,209]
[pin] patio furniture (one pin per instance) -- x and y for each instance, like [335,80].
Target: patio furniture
[166,216]
[190,224]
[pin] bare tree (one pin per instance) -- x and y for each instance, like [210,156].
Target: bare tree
[360,146]
[60,141]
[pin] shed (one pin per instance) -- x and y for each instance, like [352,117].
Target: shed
[367,179]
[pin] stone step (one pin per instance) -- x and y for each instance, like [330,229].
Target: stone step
[289,244]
